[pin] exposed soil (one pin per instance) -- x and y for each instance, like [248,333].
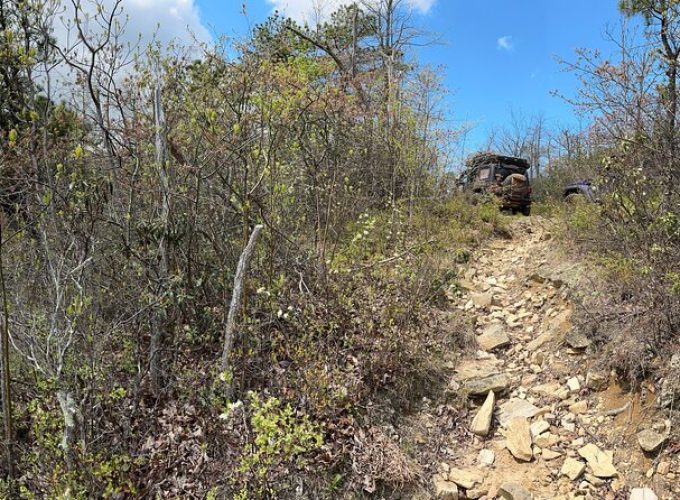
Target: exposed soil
[526,287]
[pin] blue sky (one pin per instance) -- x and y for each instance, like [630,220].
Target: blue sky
[498,55]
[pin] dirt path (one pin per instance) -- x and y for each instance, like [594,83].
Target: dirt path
[558,427]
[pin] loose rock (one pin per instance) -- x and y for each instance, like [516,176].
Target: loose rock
[516,407]
[599,461]
[572,468]
[579,408]
[481,424]
[497,382]
[539,427]
[649,440]
[642,494]
[597,381]
[514,491]
[577,340]
[518,439]
[483,300]
[486,457]
[491,340]
[445,490]
[573,384]
[465,479]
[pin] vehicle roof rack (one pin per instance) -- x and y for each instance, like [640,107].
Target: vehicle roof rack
[488,157]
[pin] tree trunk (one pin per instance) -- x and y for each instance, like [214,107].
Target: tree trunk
[160,318]
[6,387]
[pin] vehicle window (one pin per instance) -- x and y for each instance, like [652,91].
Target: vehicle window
[483,173]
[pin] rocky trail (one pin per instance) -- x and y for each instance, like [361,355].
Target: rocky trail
[544,422]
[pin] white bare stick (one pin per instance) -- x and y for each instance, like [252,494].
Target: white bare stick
[236,296]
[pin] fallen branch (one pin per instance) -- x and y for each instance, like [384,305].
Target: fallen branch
[236,297]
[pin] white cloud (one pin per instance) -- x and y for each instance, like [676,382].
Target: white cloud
[505,43]
[168,19]
[312,10]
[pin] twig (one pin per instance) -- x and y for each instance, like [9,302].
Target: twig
[617,411]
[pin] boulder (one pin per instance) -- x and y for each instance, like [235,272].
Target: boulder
[650,440]
[572,468]
[518,439]
[514,491]
[481,424]
[599,461]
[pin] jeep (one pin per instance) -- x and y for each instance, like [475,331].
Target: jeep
[503,176]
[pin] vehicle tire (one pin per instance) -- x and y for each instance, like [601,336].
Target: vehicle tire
[526,211]
[575,198]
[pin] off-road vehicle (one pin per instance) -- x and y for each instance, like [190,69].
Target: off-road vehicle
[579,191]
[503,176]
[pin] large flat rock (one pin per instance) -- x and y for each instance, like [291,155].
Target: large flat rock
[479,386]
[516,407]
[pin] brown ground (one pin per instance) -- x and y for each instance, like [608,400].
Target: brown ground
[533,288]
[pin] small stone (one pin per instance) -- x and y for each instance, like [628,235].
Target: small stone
[649,440]
[573,384]
[546,440]
[663,468]
[539,427]
[599,461]
[577,340]
[481,424]
[596,381]
[486,457]
[595,481]
[579,408]
[483,300]
[642,494]
[548,454]
[445,490]
[572,468]
[465,479]
[514,491]
[518,439]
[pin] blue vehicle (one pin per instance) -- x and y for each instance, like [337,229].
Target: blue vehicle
[579,191]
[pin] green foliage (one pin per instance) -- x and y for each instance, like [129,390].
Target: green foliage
[280,439]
